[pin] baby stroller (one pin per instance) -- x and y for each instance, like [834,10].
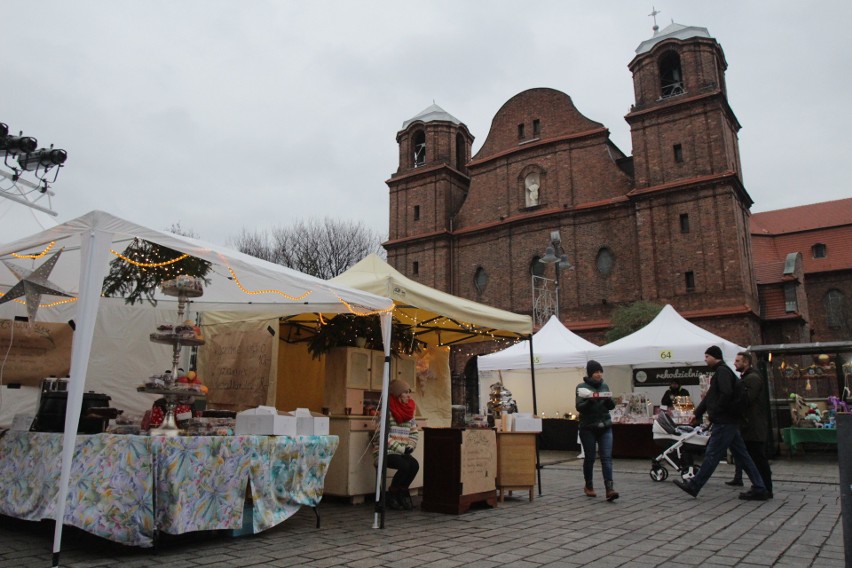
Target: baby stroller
[680,443]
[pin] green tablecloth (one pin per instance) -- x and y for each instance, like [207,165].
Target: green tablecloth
[795,436]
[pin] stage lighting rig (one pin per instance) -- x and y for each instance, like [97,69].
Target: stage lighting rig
[30,158]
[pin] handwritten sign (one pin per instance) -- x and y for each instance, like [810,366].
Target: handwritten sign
[37,352]
[235,363]
[478,461]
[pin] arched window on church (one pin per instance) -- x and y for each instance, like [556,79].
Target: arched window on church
[419,148]
[671,77]
[480,280]
[461,155]
[605,261]
[835,308]
[537,267]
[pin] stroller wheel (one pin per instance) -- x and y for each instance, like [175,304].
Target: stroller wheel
[659,473]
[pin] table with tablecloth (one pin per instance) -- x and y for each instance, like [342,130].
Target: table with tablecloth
[795,436]
[125,488]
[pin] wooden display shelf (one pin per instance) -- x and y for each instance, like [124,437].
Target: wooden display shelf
[516,462]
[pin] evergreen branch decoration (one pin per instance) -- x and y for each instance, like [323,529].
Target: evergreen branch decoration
[137,283]
[343,329]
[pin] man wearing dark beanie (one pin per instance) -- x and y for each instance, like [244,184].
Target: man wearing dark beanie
[725,430]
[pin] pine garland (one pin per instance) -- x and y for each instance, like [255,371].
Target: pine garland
[138,283]
[343,329]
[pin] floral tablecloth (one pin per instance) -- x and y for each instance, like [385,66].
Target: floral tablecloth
[200,484]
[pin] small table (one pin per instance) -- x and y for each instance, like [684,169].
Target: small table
[795,436]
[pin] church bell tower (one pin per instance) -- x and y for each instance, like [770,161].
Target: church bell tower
[426,191]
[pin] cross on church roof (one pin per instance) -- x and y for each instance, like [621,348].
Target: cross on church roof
[653,14]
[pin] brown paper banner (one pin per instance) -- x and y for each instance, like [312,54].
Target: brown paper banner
[235,364]
[37,352]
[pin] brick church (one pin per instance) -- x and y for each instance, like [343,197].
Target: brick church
[668,224]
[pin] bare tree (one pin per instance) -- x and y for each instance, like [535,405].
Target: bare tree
[322,248]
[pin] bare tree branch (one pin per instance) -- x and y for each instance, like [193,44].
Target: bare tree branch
[322,248]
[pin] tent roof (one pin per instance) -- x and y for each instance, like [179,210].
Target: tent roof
[439,318]
[238,281]
[666,341]
[554,347]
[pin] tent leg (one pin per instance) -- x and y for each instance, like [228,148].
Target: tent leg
[538,465]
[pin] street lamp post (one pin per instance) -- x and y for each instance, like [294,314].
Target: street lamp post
[554,254]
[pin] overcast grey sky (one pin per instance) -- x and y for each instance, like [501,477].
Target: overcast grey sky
[222,115]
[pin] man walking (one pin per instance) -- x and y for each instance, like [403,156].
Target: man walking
[725,430]
[754,422]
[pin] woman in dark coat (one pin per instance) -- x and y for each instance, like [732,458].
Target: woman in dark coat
[594,401]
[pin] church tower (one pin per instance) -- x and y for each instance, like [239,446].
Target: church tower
[690,203]
[426,191]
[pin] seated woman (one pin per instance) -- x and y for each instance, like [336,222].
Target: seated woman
[403,435]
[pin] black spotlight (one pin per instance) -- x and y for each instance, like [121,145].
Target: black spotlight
[15,145]
[4,130]
[44,157]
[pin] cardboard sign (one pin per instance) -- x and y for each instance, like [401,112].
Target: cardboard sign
[235,364]
[37,352]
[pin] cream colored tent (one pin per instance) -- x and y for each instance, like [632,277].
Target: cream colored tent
[439,318]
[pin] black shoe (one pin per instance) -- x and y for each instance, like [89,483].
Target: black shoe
[405,500]
[735,483]
[753,495]
[686,486]
[392,500]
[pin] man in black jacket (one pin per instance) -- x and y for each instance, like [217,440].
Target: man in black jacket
[754,424]
[725,430]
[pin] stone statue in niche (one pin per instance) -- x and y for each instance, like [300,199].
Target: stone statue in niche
[531,182]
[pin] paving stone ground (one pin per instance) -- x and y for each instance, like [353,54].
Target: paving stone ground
[652,524]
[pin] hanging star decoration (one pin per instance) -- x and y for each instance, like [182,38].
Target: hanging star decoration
[32,284]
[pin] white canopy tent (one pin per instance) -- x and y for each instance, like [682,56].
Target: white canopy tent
[668,340]
[238,282]
[559,356]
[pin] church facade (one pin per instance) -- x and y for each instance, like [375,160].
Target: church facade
[668,224]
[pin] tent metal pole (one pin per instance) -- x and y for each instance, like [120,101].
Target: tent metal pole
[535,413]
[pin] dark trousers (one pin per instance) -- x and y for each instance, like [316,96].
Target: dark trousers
[757,452]
[723,437]
[406,470]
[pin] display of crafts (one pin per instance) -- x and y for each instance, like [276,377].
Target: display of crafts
[633,408]
[184,331]
[189,381]
[183,283]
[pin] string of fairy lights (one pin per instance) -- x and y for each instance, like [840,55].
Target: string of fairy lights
[166,264]
[439,325]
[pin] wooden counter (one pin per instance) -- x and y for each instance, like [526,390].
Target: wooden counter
[460,469]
